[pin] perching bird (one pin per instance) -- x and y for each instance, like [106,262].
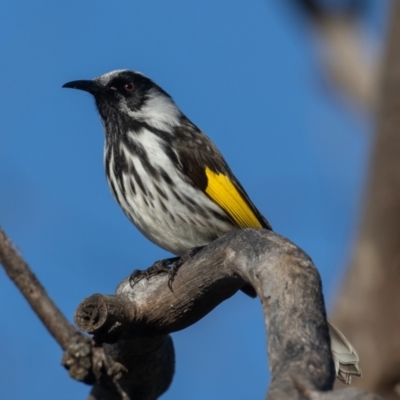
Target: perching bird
[166,174]
[169,178]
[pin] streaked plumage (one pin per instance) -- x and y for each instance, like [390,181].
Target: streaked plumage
[168,177]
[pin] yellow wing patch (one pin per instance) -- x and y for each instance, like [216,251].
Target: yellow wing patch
[221,189]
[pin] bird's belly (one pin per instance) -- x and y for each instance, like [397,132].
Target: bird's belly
[177,225]
[175,216]
[179,237]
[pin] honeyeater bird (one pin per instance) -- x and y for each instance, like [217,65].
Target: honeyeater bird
[170,179]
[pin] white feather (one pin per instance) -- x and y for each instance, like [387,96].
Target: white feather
[158,111]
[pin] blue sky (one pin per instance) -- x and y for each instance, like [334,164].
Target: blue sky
[243,71]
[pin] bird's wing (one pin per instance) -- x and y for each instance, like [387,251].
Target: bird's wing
[225,190]
[209,172]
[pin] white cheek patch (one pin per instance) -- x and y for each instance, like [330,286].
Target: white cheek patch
[158,111]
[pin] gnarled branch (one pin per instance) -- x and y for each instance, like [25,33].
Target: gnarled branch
[131,354]
[287,283]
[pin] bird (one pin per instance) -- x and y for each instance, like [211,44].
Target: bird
[171,180]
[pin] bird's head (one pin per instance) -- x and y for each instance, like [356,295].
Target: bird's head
[124,95]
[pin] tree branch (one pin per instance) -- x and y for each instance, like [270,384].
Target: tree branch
[287,283]
[37,297]
[348,57]
[368,307]
[131,356]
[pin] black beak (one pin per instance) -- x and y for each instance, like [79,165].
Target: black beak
[87,86]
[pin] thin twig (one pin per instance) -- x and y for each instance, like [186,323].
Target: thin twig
[20,273]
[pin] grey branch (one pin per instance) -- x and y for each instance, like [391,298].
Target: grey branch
[368,307]
[131,356]
[20,273]
[87,359]
[133,325]
[350,58]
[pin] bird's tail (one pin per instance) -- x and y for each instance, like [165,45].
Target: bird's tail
[344,355]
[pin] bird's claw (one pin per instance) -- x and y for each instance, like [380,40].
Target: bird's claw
[169,266]
[159,267]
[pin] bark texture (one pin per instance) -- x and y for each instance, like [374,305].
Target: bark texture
[131,355]
[287,283]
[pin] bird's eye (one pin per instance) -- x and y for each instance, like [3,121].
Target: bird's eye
[129,87]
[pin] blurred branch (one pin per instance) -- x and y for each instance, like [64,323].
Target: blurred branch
[347,56]
[368,307]
[317,10]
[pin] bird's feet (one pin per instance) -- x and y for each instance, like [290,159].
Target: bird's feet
[168,266]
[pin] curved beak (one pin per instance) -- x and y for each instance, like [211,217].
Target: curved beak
[88,86]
